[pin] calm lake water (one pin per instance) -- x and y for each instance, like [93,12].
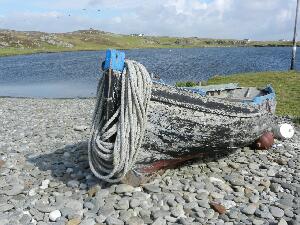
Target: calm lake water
[75,74]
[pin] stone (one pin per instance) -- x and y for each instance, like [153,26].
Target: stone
[45,184]
[282,222]
[271,172]
[25,219]
[171,219]
[258,222]
[73,183]
[106,211]
[83,186]
[80,128]
[134,202]
[89,205]
[234,165]
[178,211]
[75,221]
[218,208]
[254,199]
[100,194]
[36,214]
[2,162]
[235,180]
[15,189]
[6,207]
[93,190]
[160,213]
[73,209]
[276,212]
[122,204]
[204,204]
[228,204]
[124,188]
[274,187]
[100,219]
[249,209]
[209,213]
[159,221]
[288,213]
[32,192]
[287,201]
[88,221]
[215,180]
[233,214]
[54,215]
[152,188]
[135,221]
[113,221]
[67,155]
[216,195]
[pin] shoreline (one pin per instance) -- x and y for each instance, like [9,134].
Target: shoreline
[103,49]
[42,98]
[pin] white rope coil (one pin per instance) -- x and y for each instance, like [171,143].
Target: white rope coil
[109,159]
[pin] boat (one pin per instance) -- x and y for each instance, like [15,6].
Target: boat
[183,123]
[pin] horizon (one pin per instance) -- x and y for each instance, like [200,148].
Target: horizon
[216,19]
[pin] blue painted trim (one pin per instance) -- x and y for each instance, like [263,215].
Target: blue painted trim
[271,96]
[114,60]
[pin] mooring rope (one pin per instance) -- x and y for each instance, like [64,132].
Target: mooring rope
[114,142]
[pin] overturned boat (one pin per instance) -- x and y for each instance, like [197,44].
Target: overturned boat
[142,125]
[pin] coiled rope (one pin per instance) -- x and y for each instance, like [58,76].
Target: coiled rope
[114,142]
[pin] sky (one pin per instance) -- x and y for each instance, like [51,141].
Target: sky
[238,19]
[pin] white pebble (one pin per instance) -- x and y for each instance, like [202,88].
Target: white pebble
[32,192]
[215,180]
[54,215]
[137,189]
[69,170]
[45,184]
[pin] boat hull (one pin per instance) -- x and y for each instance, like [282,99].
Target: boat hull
[182,125]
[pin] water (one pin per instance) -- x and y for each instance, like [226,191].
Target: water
[76,74]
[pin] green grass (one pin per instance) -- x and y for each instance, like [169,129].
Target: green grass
[186,84]
[286,85]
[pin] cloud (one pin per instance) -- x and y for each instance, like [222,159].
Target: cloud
[255,19]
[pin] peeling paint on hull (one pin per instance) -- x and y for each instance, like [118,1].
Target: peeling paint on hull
[182,124]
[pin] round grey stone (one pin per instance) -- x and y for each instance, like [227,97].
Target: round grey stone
[135,221]
[276,212]
[113,221]
[249,209]
[124,188]
[152,188]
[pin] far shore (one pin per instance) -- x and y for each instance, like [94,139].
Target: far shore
[30,42]
[15,52]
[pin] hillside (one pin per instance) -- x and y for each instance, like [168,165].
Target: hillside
[26,42]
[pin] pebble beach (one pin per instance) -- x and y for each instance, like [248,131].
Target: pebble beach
[45,177]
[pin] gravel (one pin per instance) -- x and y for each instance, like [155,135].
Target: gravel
[45,177]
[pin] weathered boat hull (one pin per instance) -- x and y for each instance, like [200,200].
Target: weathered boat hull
[132,135]
[182,124]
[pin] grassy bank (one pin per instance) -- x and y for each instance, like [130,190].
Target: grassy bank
[286,85]
[22,42]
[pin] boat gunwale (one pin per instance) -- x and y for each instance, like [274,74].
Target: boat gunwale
[189,99]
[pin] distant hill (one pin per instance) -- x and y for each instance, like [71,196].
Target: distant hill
[26,42]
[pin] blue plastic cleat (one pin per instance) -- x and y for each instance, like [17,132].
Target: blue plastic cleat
[114,60]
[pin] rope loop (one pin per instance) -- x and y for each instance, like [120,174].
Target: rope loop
[115,142]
